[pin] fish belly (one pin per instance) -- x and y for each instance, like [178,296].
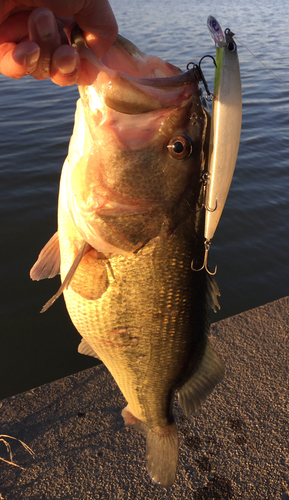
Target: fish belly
[144,315]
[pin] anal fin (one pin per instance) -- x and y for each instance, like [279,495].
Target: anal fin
[162,448]
[200,385]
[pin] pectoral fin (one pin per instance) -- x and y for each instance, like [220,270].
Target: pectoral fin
[48,262]
[196,390]
[68,277]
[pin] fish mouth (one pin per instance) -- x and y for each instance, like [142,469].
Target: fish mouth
[125,185]
[128,81]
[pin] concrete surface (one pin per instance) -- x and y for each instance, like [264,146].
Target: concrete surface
[235,447]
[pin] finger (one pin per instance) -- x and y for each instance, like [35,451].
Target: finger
[18,60]
[65,66]
[97,19]
[14,28]
[43,31]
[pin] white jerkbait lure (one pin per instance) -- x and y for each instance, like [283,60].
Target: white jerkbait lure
[225,129]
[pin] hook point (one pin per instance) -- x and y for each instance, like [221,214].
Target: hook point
[207,244]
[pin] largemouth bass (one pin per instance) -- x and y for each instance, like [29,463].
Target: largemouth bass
[129,226]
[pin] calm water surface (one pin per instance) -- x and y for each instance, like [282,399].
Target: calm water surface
[251,243]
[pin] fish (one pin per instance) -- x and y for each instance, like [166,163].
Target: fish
[130,223]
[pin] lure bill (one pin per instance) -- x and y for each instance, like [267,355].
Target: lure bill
[225,125]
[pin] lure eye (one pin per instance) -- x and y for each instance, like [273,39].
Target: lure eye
[215,25]
[231,46]
[180,147]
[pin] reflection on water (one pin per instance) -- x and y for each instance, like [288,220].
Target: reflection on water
[250,245]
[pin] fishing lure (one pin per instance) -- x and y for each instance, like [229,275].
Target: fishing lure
[225,130]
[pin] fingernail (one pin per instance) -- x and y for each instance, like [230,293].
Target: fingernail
[32,58]
[26,57]
[45,24]
[67,64]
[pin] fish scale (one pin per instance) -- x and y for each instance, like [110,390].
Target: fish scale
[166,282]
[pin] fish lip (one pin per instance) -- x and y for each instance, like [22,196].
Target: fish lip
[129,92]
[149,94]
[168,82]
[191,75]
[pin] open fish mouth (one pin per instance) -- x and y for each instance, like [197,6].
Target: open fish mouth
[137,147]
[128,81]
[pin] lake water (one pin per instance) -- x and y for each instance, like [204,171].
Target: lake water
[36,119]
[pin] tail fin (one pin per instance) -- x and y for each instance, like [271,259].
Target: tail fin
[162,454]
[162,449]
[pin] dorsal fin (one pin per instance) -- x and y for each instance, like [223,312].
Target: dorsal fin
[48,262]
[213,293]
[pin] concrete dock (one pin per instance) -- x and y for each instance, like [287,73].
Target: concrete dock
[235,447]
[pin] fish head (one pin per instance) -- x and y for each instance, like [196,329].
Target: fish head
[137,151]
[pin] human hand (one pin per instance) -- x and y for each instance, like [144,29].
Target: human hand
[33,37]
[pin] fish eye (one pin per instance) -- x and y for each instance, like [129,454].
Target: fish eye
[231,46]
[180,147]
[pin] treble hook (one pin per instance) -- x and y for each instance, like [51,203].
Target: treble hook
[211,209]
[205,263]
[204,179]
[209,96]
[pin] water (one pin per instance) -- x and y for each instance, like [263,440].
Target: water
[250,245]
